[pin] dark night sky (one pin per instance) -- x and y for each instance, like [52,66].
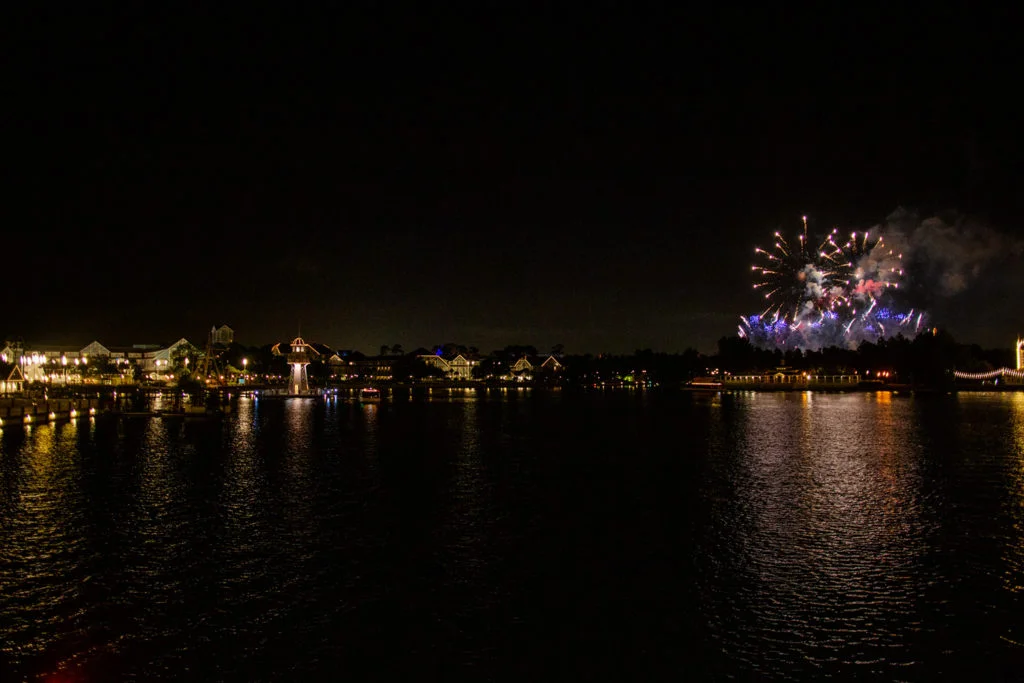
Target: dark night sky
[596,179]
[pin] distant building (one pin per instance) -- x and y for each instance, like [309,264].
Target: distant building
[458,366]
[95,349]
[161,358]
[150,357]
[14,384]
[63,364]
[377,368]
[223,335]
[525,365]
[12,351]
[521,365]
[432,360]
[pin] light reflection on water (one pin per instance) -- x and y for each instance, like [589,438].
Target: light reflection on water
[1014,553]
[826,533]
[770,535]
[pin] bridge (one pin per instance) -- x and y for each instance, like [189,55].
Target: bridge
[992,374]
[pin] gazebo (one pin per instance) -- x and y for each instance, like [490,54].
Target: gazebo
[14,383]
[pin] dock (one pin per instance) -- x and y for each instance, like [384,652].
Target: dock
[19,410]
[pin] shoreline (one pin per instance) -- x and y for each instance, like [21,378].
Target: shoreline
[891,388]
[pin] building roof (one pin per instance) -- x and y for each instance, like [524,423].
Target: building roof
[298,341]
[539,360]
[64,348]
[375,360]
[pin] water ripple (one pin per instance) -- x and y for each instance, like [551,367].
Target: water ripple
[783,536]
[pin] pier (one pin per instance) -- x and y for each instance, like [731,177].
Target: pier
[17,410]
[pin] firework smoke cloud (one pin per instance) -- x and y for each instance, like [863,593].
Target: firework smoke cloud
[948,254]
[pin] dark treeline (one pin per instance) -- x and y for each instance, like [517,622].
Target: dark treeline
[928,358]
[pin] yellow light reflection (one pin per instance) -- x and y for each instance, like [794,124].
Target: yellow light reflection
[829,483]
[465,532]
[41,532]
[1014,575]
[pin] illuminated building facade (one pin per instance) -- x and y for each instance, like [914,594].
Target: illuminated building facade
[523,367]
[457,366]
[14,383]
[223,335]
[68,364]
[380,368]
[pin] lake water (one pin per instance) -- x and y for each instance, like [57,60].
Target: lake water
[506,536]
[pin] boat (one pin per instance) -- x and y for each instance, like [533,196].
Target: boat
[369,394]
[705,384]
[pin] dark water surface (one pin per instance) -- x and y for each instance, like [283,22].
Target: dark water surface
[514,535]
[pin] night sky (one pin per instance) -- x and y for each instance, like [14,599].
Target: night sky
[594,179]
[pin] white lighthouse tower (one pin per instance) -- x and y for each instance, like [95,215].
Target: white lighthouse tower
[300,355]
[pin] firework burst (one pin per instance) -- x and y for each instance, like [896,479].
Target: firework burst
[838,292]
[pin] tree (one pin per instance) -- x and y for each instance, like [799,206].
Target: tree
[100,367]
[270,364]
[486,369]
[180,354]
[512,352]
[410,367]
[735,354]
[396,349]
[319,372]
[933,359]
[384,349]
[236,352]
